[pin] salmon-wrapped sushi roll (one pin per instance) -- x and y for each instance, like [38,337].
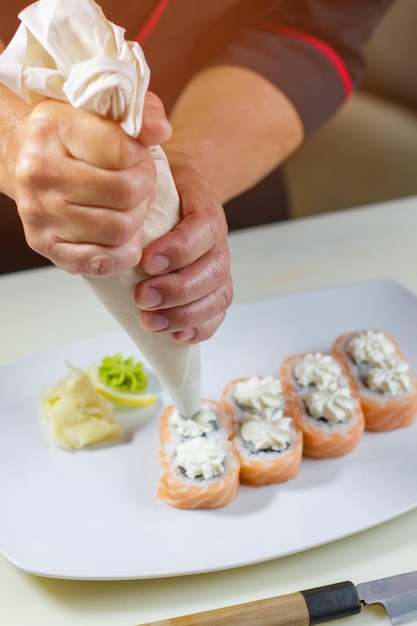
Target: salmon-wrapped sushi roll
[383,379]
[268,445]
[200,470]
[324,407]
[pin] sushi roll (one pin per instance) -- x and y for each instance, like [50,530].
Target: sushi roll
[199,463]
[383,379]
[323,405]
[267,443]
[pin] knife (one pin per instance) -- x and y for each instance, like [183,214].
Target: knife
[398,595]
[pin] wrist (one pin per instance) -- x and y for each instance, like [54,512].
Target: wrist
[188,173]
[197,157]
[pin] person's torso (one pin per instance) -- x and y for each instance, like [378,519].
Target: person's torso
[183,37]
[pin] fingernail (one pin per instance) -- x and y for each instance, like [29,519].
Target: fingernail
[158,322]
[187,335]
[150,298]
[158,264]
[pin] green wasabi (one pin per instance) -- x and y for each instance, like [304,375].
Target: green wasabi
[124,375]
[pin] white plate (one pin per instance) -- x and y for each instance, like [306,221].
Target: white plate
[94,514]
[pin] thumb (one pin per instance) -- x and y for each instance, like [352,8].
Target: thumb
[156,128]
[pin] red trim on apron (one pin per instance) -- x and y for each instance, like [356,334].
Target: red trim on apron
[152,21]
[323,47]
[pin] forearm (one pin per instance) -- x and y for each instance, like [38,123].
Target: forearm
[234,126]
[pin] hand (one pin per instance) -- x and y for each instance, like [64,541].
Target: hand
[83,187]
[190,286]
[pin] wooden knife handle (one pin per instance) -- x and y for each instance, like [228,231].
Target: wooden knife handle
[313,606]
[288,610]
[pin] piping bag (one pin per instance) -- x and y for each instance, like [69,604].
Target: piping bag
[69,51]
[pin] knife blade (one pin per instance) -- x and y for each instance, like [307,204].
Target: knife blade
[398,594]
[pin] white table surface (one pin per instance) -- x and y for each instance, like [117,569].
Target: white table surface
[47,307]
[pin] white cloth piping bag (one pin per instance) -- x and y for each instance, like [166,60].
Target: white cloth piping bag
[69,51]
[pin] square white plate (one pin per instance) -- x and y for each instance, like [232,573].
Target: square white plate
[94,514]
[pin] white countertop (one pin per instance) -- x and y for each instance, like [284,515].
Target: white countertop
[326,250]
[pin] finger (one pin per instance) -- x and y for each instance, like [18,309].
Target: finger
[99,226]
[61,220]
[93,260]
[196,281]
[202,226]
[201,333]
[77,182]
[86,137]
[85,185]
[188,316]
[156,128]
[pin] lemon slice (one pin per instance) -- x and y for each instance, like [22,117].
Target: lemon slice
[125,398]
